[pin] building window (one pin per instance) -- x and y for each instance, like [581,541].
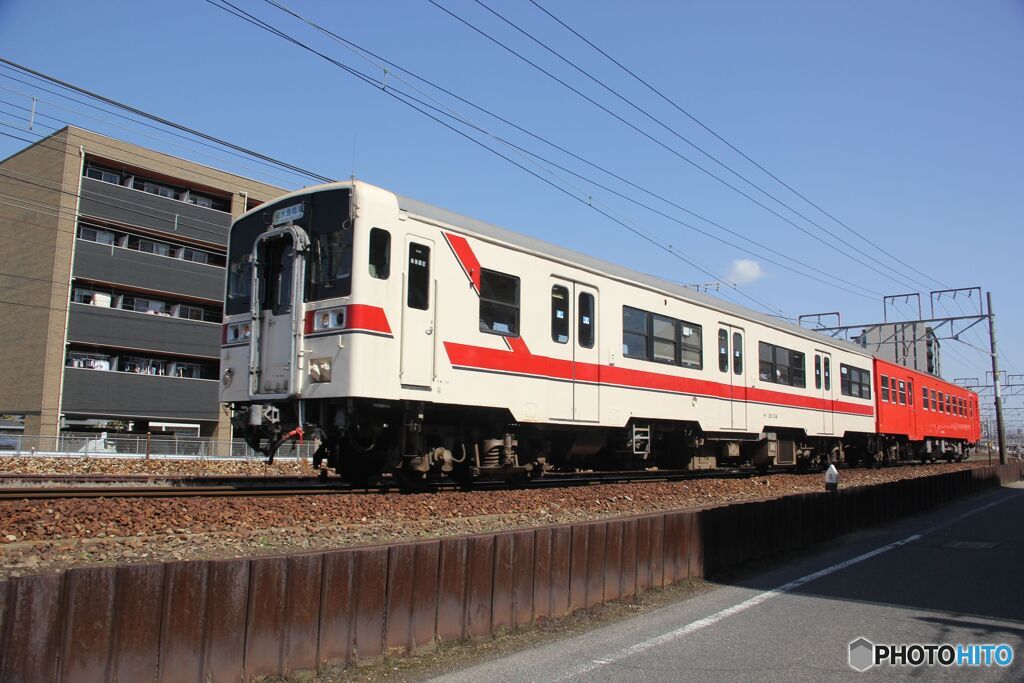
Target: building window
[148,246]
[499,303]
[380,254]
[885,388]
[143,366]
[587,322]
[103,174]
[779,365]
[156,188]
[96,235]
[194,255]
[90,361]
[854,381]
[560,314]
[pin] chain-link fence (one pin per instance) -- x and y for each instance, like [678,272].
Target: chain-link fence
[142,446]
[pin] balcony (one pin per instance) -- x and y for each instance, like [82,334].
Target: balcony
[117,266]
[129,330]
[134,207]
[124,394]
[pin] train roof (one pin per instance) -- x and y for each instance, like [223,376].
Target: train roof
[435,213]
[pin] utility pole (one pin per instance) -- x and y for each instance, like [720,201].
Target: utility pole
[1000,426]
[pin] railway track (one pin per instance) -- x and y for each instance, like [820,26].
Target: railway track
[77,486]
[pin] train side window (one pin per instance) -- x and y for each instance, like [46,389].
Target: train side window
[665,345]
[933,401]
[737,353]
[924,397]
[817,371]
[885,388]
[634,332]
[380,254]
[828,374]
[910,392]
[585,311]
[499,303]
[691,345]
[892,389]
[781,365]
[903,393]
[942,402]
[559,314]
[418,296]
[855,382]
[723,350]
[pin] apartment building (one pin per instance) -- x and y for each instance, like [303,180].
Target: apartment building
[111,286]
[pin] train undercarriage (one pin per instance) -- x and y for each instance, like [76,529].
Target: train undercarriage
[363,439]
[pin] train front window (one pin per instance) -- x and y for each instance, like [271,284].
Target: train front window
[324,216]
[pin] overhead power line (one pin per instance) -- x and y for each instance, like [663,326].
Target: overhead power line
[382,86]
[166,122]
[731,146]
[392,68]
[886,274]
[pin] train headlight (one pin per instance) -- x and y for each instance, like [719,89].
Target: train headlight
[329,319]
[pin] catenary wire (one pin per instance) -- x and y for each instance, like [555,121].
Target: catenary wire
[447,112]
[674,152]
[224,5]
[700,123]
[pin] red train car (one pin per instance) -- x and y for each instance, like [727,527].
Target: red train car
[923,417]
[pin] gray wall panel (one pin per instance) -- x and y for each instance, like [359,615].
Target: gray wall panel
[133,207]
[126,329]
[137,269]
[95,392]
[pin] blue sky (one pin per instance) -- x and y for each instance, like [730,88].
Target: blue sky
[900,118]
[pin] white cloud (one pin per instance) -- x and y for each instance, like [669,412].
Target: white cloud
[744,271]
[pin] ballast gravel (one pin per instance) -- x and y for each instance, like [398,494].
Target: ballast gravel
[38,536]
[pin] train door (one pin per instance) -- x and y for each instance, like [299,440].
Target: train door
[586,363]
[731,346]
[823,385]
[417,365]
[278,279]
[574,328]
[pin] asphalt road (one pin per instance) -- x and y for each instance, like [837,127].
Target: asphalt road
[955,575]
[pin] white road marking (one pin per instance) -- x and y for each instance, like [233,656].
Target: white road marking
[759,599]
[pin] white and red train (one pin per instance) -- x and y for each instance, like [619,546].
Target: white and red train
[409,339]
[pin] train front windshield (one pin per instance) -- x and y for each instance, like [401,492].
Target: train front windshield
[325,217]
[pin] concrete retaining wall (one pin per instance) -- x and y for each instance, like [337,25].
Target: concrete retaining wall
[229,620]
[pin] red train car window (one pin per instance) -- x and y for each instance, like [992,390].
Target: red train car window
[885,388]
[924,397]
[903,393]
[910,392]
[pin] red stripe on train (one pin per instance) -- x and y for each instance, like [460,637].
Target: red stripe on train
[467,259]
[524,363]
